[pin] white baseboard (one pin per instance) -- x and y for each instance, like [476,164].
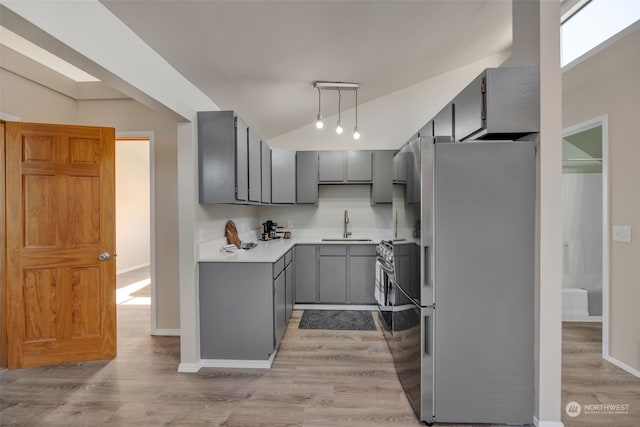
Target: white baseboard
[539,423]
[166,332]
[335,307]
[232,363]
[623,365]
[189,368]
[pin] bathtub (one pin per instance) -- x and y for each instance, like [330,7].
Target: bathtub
[575,297]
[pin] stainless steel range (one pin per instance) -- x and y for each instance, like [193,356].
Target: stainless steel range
[384,281]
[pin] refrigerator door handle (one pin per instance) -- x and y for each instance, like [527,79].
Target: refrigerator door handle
[427,265]
[427,335]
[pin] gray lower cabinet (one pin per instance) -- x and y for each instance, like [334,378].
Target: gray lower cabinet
[307,177]
[335,274]
[362,264]
[279,307]
[332,279]
[290,289]
[236,310]
[306,273]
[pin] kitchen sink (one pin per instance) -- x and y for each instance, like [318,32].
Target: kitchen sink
[346,240]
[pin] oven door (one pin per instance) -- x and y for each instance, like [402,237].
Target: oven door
[383,292]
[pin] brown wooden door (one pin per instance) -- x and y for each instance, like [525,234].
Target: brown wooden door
[60,214]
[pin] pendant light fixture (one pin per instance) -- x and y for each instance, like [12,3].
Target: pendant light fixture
[319,123]
[339,125]
[356,132]
[340,87]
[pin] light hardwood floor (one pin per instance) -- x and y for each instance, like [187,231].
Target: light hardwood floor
[588,379]
[319,378]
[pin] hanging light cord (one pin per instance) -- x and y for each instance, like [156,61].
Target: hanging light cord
[339,99]
[319,100]
[356,108]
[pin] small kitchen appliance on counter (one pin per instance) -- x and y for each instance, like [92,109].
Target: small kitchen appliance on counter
[271,230]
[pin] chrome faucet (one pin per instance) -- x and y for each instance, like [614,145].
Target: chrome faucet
[346,221]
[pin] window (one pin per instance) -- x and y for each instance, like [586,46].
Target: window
[595,23]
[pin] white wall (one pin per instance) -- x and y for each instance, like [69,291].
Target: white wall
[389,121]
[327,218]
[607,83]
[133,213]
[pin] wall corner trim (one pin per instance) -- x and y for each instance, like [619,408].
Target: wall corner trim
[623,365]
[539,423]
[166,332]
[190,368]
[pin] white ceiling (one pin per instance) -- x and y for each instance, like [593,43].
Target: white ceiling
[260,57]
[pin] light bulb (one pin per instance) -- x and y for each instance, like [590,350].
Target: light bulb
[319,123]
[339,127]
[356,134]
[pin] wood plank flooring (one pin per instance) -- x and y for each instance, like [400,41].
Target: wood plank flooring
[319,378]
[587,379]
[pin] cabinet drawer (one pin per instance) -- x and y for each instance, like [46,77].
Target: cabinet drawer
[278,266]
[288,257]
[367,250]
[333,250]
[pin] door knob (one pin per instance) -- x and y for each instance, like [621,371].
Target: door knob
[104,256]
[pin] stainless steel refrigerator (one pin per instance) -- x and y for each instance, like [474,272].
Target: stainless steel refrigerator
[463,299]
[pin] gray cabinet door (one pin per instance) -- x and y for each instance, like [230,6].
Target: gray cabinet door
[290,285]
[279,307]
[255,167]
[305,273]
[359,166]
[332,279]
[362,279]
[307,177]
[266,173]
[242,160]
[331,166]
[382,187]
[283,176]
[400,164]
[443,122]
[469,109]
[227,332]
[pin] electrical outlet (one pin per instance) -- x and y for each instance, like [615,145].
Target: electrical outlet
[622,233]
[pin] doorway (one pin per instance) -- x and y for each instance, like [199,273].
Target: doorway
[135,266]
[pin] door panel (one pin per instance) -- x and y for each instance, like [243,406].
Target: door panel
[60,299]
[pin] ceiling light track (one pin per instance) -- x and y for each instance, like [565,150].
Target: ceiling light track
[340,87]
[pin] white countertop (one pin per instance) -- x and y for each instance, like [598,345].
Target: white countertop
[266,251]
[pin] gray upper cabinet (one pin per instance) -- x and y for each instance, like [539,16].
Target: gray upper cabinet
[223,175]
[443,123]
[469,108]
[400,168]
[382,186]
[500,101]
[242,160]
[345,167]
[331,166]
[283,176]
[255,167]
[266,173]
[359,166]
[307,177]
